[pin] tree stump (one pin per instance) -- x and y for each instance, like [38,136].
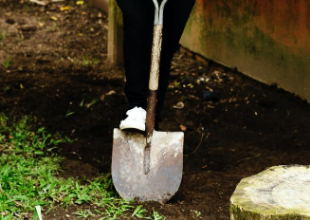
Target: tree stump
[278,193]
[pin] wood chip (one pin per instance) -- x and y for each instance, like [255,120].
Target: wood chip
[183,128]
[179,105]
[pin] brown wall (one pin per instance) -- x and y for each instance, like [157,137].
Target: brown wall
[265,39]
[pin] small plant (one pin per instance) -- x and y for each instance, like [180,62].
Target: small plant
[85,214]
[198,214]
[82,103]
[3,35]
[69,113]
[7,88]
[7,63]
[94,101]
[2,100]
[88,103]
[157,216]
[52,28]
[139,212]
[95,60]
[65,139]
[87,62]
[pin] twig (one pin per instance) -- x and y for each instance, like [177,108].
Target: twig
[202,135]
[43,3]
[200,142]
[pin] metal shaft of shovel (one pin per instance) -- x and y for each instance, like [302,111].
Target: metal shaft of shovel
[153,82]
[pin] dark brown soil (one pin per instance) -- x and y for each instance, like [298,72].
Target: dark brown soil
[54,67]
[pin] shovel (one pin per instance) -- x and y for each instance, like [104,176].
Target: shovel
[148,167]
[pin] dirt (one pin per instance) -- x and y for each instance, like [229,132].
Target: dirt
[54,67]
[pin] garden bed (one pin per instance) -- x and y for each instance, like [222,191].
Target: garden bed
[53,66]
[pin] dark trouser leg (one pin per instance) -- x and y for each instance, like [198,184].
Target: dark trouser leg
[175,17]
[138,30]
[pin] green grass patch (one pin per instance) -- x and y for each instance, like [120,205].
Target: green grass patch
[29,177]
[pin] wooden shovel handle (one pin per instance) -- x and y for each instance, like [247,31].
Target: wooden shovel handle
[155,59]
[154,79]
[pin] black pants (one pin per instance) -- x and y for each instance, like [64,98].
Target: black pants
[138,18]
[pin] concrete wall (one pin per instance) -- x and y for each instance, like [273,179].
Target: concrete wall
[265,39]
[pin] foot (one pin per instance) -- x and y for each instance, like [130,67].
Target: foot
[135,120]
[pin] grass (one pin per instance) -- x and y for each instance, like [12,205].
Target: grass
[88,102]
[29,177]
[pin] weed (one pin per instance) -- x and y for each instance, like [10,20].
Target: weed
[7,88]
[91,102]
[2,100]
[82,103]
[52,28]
[69,113]
[139,212]
[94,101]
[7,63]
[65,139]
[3,35]
[85,214]
[198,214]
[87,62]
[157,216]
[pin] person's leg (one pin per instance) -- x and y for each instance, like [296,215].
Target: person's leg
[176,14]
[138,17]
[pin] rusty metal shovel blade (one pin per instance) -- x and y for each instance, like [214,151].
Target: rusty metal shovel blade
[166,165]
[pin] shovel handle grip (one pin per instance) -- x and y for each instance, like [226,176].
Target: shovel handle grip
[159,11]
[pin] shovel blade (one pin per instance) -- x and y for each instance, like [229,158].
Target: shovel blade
[166,165]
